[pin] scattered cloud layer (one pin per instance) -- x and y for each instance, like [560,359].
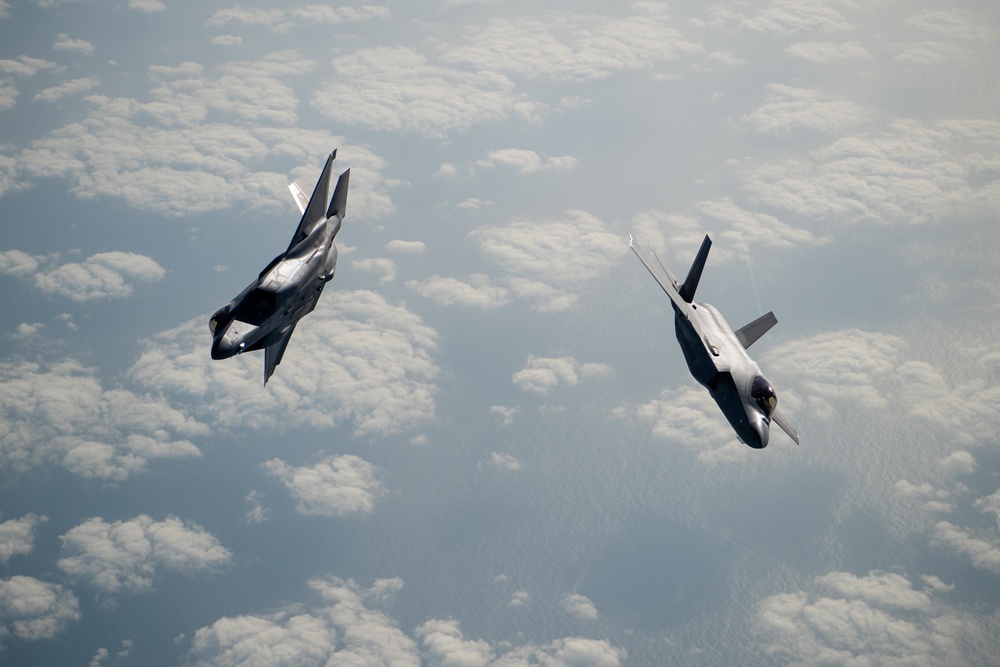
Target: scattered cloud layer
[540,374]
[334,486]
[525,161]
[787,109]
[125,556]
[377,370]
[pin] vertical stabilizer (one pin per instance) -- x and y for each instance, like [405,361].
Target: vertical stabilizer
[315,210]
[690,285]
[338,206]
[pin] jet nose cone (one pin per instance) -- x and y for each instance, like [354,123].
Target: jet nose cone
[755,434]
[227,345]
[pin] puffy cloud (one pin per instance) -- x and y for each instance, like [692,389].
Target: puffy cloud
[18,263]
[875,619]
[255,510]
[246,16]
[983,552]
[990,503]
[334,486]
[124,556]
[548,258]
[26,66]
[74,87]
[61,414]
[196,145]
[227,40]
[910,174]
[65,43]
[942,35]
[525,161]
[790,17]
[446,645]
[505,413]
[100,276]
[17,536]
[338,629]
[479,291]
[690,416]
[566,46]
[579,606]
[541,374]
[505,461]
[333,15]
[958,463]
[148,6]
[406,247]
[787,109]
[8,98]
[356,357]
[381,265]
[32,609]
[399,89]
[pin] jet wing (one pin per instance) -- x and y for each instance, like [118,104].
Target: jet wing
[780,420]
[662,275]
[274,353]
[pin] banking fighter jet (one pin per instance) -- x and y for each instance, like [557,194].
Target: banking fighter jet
[716,355]
[264,315]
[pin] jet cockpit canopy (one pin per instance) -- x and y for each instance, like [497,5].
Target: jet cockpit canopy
[764,396]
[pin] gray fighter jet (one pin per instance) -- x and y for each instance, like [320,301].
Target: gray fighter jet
[716,355]
[264,315]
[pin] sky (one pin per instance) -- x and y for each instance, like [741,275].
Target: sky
[483,448]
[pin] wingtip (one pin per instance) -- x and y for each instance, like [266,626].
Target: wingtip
[333,155]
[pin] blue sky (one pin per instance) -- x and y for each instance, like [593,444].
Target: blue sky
[483,447]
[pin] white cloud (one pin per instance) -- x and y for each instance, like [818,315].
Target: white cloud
[338,630]
[790,17]
[505,461]
[446,170]
[26,66]
[580,606]
[943,35]
[17,536]
[18,263]
[505,413]
[374,367]
[573,47]
[246,16]
[148,6]
[689,415]
[65,43]
[326,14]
[334,486]
[399,89]
[406,247]
[479,291]
[958,463]
[380,265]
[548,258]
[787,109]
[828,52]
[100,276]
[255,510]
[990,503]
[519,599]
[60,414]
[525,161]
[984,552]
[25,330]
[125,556]
[8,98]
[541,374]
[32,609]
[446,645]
[875,619]
[227,40]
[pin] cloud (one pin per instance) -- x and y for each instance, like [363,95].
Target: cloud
[525,161]
[255,510]
[125,556]
[356,357]
[60,414]
[32,609]
[446,170]
[334,486]
[227,40]
[541,374]
[148,6]
[65,43]
[828,52]
[399,89]
[17,536]
[406,247]
[787,109]
[912,173]
[983,552]
[199,143]
[958,463]
[246,16]
[446,645]
[505,413]
[337,629]
[479,291]
[18,263]
[990,503]
[548,258]
[381,265]
[26,66]
[100,276]
[70,88]
[877,619]
[579,606]
[791,17]
[312,14]
[572,47]
[941,36]
[505,461]
[689,415]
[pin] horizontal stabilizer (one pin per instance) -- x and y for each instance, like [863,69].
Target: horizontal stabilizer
[780,420]
[690,285]
[299,195]
[338,206]
[749,334]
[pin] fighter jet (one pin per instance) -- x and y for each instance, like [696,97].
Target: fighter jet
[264,315]
[716,355]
